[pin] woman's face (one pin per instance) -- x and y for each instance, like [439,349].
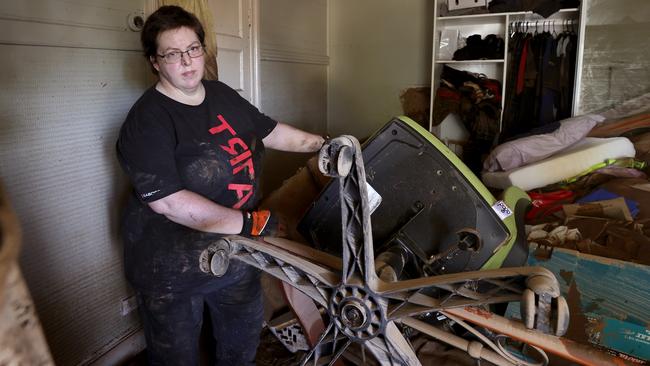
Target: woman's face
[186,74]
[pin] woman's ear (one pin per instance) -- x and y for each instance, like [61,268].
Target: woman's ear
[154,62]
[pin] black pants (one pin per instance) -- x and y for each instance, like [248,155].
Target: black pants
[172,322]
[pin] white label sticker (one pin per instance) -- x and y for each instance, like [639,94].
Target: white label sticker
[502,210]
[374,199]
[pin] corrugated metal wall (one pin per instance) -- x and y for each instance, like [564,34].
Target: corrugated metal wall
[616,63]
[70,72]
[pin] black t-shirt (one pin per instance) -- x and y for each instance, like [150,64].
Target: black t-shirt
[214,149]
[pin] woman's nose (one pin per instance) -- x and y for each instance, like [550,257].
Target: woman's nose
[186,59]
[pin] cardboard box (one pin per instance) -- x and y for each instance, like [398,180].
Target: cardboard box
[624,339]
[609,300]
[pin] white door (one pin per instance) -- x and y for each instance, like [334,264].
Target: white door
[233,23]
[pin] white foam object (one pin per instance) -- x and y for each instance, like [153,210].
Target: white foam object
[563,165]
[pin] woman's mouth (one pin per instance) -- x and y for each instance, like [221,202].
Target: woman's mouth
[188,74]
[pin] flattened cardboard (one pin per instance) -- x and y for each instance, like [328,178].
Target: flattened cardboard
[614,209]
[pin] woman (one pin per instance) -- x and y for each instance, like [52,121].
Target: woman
[192,150]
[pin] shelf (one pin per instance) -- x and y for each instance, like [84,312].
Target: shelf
[497,61]
[464,26]
[498,15]
[486,15]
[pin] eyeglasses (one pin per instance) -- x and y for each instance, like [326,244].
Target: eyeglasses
[175,56]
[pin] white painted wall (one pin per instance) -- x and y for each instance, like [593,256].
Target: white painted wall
[293,63]
[70,72]
[378,48]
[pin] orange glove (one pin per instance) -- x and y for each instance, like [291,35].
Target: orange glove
[261,223]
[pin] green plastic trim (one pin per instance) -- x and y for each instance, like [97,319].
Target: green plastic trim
[511,195]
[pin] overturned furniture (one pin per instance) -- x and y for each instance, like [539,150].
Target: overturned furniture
[432,263]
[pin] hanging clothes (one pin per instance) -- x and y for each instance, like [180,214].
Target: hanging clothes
[567,55]
[540,79]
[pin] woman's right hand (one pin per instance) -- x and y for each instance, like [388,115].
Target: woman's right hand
[264,223]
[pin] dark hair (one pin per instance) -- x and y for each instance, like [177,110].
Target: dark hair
[166,18]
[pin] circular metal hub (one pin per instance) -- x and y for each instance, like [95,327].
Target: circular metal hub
[354,314]
[357,312]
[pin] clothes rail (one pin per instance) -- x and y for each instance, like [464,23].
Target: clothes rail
[547,25]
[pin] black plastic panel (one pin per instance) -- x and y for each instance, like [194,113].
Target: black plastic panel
[425,201]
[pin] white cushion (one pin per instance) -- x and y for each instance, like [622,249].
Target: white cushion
[563,165]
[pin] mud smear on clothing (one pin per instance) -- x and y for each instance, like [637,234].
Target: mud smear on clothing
[207,170]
